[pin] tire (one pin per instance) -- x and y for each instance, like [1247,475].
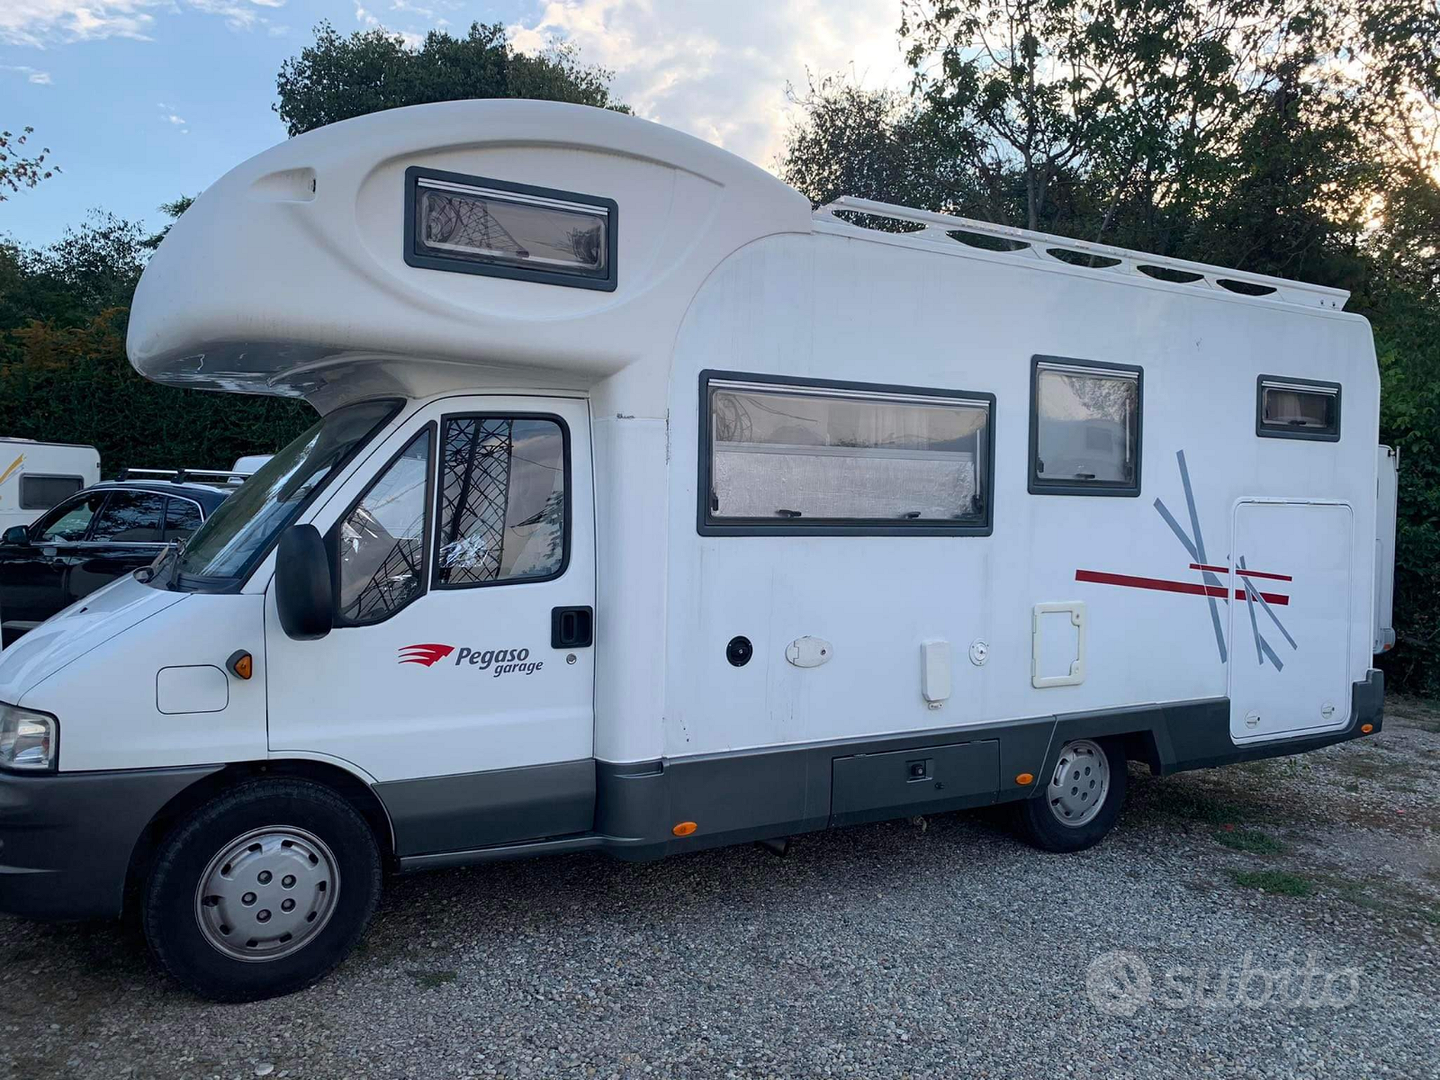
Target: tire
[275,858]
[1090,769]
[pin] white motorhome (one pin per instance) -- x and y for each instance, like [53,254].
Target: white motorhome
[649,510]
[34,476]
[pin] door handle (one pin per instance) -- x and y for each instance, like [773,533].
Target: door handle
[572,627]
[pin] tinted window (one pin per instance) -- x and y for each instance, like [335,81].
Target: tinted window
[69,521]
[382,541]
[182,517]
[479,226]
[501,499]
[781,454]
[1086,429]
[130,517]
[43,492]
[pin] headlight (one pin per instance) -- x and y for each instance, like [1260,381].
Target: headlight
[27,739]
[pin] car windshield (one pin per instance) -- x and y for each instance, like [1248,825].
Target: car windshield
[242,528]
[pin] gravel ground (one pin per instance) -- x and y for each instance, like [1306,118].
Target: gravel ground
[929,948]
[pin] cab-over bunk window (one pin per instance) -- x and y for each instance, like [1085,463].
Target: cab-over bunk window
[1085,427]
[1287,408]
[479,225]
[805,457]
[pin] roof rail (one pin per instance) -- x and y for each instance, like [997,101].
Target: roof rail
[1102,258]
[180,476]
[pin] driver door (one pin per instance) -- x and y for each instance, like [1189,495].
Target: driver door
[32,576]
[460,669]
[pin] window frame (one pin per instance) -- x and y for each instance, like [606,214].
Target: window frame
[1037,485]
[1277,431]
[104,506]
[36,527]
[20,498]
[420,259]
[165,517]
[332,534]
[706,526]
[554,418]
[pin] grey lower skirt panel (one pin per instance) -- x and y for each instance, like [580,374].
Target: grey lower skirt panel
[631,809]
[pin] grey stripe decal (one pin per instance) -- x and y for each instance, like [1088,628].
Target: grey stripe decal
[1250,607]
[1196,550]
[1268,610]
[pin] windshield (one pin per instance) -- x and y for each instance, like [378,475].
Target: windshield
[242,528]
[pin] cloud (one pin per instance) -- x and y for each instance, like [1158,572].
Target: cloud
[370,21]
[168,115]
[39,23]
[719,71]
[32,75]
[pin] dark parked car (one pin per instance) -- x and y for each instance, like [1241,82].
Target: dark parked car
[92,538]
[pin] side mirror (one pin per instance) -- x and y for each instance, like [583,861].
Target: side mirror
[304,597]
[17,535]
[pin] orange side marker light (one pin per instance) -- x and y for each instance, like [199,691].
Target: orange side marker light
[241,663]
[1025,779]
[685,828]
[1365,729]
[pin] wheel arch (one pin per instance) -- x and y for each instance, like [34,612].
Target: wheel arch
[349,785]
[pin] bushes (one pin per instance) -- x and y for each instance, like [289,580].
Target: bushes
[1409,356]
[74,384]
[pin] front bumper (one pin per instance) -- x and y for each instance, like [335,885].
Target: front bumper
[66,839]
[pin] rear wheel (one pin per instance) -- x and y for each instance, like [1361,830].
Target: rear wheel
[263,891]
[1082,800]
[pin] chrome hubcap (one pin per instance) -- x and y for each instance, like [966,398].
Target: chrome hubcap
[267,893]
[1080,784]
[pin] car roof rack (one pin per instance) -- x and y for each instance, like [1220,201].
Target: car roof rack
[1077,256]
[181,476]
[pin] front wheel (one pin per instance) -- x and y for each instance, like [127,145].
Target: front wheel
[263,891]
[1082,800]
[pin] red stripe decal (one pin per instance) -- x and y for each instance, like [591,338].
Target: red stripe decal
[1160,584]
[1242,573]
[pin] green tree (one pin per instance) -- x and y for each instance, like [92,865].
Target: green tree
[64,373]
[342,76]
[172,210]
[18,169]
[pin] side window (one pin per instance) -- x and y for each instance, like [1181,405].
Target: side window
[504,512]
[381,542]
[809,458]
[43,492]
[1085,424]
[182,517]
[130,517]
[1297,409]
[68,522]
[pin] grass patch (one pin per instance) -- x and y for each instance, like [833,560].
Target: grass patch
[430,980]
[1252,840]
[1392,900]
[1198,806]
[1273,881]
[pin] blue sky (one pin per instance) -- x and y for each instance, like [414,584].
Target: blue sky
[143,100]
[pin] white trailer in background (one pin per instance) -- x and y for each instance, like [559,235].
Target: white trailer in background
[649,511]
[34,476]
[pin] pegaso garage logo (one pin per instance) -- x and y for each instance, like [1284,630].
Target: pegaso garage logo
[496,661]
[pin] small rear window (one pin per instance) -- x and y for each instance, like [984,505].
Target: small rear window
[43,492]
[1297,409]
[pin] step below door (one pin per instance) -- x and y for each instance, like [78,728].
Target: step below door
[1290,618]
